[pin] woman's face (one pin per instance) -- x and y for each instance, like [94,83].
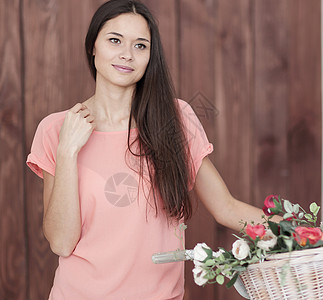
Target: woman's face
[122,50]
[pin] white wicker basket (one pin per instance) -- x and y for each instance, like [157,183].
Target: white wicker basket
[304,276]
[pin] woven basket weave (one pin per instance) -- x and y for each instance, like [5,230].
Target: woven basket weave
[304,276]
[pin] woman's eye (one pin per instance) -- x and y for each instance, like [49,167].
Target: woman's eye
[140,46]
[114,41]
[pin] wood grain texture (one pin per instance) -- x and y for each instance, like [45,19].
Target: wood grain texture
[44,94]
[166,14]
[13,266]
[234,82]
[251,69]
[196,66]
[57,77]
[305,125]
[270,115]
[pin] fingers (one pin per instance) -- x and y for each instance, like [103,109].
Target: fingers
[77,108]
[89,119]
[83,112]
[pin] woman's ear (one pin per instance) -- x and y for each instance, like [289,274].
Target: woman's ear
[93,52]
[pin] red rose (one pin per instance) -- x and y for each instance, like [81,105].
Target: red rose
[256,230]
[269,203]
[302,234]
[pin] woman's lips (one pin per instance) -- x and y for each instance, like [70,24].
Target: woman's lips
[123,69]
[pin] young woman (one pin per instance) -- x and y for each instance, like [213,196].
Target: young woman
[119,167]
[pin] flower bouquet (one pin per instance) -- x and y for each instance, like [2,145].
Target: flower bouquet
[265,256]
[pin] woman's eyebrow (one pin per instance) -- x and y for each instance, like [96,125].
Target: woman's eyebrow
[115,33]
[120,35]
[143,39]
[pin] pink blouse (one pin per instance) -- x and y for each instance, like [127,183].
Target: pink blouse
[120,231]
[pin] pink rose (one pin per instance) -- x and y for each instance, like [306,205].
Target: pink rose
[269,203]
[256,230]
[302,234]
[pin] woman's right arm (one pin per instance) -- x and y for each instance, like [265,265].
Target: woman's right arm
[62,217]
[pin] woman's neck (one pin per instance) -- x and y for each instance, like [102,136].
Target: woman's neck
[110,107]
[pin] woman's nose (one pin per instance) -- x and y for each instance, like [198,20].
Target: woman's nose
[126,54]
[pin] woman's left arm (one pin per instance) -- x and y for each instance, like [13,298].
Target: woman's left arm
[213,192]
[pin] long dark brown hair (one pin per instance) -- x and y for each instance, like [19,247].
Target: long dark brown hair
[162,143]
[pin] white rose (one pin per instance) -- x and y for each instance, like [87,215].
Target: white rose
[199,274]
[268,241]
[218,253]
[240,249]
[199,252]
[198,263]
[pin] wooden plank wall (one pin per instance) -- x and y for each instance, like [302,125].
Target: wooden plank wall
[251,69]
[13,246]
[56,76]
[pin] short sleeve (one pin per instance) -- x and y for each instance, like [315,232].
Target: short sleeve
[43,150]
[199,144]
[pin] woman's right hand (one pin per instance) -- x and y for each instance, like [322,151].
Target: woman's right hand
[62,217]
[76,130]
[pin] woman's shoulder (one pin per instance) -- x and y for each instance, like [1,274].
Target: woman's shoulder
[53,121]
[185,109]
[182,104]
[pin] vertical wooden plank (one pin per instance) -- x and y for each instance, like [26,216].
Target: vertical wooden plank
[196,66]
[13,283]
[166,13]
[44,94]
[57,77]
[234,50]
[305,124]
[270,174]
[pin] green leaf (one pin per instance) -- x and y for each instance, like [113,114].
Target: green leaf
[210,275]
[210,263]
[286,227]
[288,206]
[316,212]
[308,216]
[301,215]
[319,244]
[288,215]
[240,268]
[222,257]
[235,263]
[277,204]
[233,280]
[296,208]
[209,252]
[313,207]
[220,279]
[274,210]
[225,255]
[254,259]
[274,227]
